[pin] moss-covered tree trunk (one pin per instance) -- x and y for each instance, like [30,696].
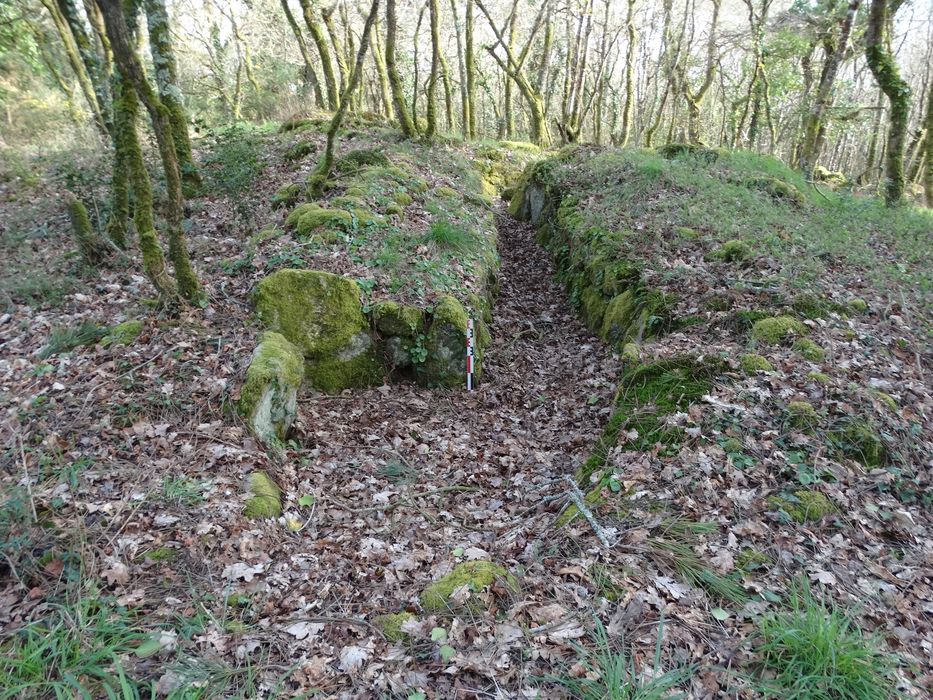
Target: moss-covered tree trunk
[166,76]
[928,150]
[132,71]
[93,62]
[629,109]
[406,123]
[322,172]
[309,75]
[431,115]
[815,128]
[694,98]
[469,67]
[340,51]
[130,171]
[379,60]
[94,250]
[73,54]
[883,66]
[327,64]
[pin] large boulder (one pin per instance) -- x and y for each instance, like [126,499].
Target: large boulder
[445,363]
[322,316]
[268,399]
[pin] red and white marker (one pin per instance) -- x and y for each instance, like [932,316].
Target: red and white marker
[469,355]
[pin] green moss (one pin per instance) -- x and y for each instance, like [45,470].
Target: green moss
[287,196]
[804,505]
[886,399]
[636,313]
[268,398]
[733,251]
[777,329]
[391,625]
[594,498]
[777,189]
[476,575]
[300,150]
[447,192]
[419,185]
[356,191]
[631,352]
[802,415]
[593,306]
[395,210]
[809,350]
[347,202]
[752,363]
[751,559]
[317,311]
[364,218]
[402,198]
[362,158]
[307,218]
[356,365]
[686,233]
[266,499]
[158,555]
[124,333]
[858,440]
[446,340]
[859,306]
[819,377]
[732,446]
[718,302]
[815,306]
[394,319]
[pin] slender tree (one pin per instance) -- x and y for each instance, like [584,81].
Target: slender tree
[431,116]
[320,42]
[132,71]
[928,168]
[166,77]
[406,123]
[629,109]
[308,73]
[884,68]
[694,98]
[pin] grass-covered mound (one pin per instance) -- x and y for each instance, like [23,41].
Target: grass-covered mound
[773,336]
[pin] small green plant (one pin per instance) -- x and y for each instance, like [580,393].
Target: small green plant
[611,673]
[182,491]
[417,350]
[64,339]
[73,652]
[451,236]
[817,653]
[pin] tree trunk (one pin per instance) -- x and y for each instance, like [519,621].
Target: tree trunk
[469,59]
[694,99]
[130,170]
[339,49]
[166,75]
[629,108]
[434,20]
[94,250]
[814,130]
[884,68]
[132,71]
[93,62]
[383,74]
[320,42]
[309,75]
[928,168]
[461,67]
[319,177]
[406,123]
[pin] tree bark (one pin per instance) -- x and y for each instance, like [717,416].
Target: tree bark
[469,59]
[406,123]
[883,66]
[928,168]
[309,74]
[320,42]
[694,99]
[322,172]
[629,108]
[132,71]
[92,60]
[166,76]
[431,115]
[383,74]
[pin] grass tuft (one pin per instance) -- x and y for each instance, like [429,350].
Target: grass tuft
[817,653]
[448,235]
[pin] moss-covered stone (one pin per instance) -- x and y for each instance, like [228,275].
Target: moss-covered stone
[804,505]
[446,343]
[124,333]
[362,158]
[299,151]
[308,218]
[858,440]
[686,233]
[446,192]
[802,415]
[752,362]
[819,377]
[635,313]
[269,397]
[391,625]
[859,306]
[733,251]
[364,218]
[394,210]
[317,311]
[266,501]
[816,306]
[287,196]
[732,446]
[631,352]
[394,319]
[777,189]
[809,350]
[475,575]
[356,365]
[402,198]
[777,329]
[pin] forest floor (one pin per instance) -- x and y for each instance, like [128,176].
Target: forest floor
[124,470]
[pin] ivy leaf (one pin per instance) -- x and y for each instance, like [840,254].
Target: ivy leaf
[438,634]
[306,501]
[447,653]
[720,614]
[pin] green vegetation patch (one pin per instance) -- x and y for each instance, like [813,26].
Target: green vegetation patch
[266,499]
[474,576]
[751,363]
[777,329]
[804,506]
